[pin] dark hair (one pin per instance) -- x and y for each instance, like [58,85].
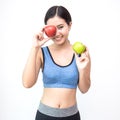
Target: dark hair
[60,11]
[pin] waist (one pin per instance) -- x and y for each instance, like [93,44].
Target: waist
[59,97]
[60,85]
[57,112]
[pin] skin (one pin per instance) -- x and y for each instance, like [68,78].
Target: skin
[57,97]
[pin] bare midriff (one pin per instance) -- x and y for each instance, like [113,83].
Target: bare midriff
[59,97]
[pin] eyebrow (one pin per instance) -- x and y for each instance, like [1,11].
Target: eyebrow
[59,25]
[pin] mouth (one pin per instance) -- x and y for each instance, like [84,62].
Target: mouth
[57,38]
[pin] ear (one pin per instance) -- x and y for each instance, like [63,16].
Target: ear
[70,24]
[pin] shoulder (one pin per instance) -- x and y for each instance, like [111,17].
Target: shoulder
[40,56]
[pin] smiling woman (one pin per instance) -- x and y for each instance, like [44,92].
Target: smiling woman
[62,72]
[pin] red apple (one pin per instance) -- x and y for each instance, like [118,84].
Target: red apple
[50,30]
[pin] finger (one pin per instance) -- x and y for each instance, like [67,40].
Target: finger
[43,28]
[86,53]
[82,58]
[79,58]
[40,36]
[42,42]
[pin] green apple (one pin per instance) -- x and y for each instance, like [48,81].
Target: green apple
[79,48]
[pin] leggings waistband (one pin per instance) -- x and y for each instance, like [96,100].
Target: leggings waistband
[57,112]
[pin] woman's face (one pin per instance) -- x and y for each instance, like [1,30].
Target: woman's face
[62,29]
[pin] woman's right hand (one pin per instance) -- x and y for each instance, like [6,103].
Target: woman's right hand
[39,40]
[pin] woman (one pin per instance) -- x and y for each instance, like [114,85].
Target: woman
[62,70]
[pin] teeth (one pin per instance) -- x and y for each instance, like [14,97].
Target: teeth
[58,36]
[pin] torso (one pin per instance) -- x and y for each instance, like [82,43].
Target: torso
[60,97]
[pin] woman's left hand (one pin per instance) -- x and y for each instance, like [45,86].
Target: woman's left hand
[84,61]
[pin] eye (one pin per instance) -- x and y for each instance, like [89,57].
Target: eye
[60,27]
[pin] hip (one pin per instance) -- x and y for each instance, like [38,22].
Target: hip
[48,112]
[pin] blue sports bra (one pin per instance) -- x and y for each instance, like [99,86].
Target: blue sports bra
[56,76]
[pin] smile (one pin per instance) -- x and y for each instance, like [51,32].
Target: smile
[58,37]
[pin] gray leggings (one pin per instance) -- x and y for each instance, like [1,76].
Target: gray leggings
[49,113]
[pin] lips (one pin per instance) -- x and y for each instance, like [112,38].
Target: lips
[59,37]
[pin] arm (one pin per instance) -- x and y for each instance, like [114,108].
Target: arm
[84,67]
[34,62]
[31,69]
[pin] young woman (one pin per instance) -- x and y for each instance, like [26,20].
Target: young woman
[62,69]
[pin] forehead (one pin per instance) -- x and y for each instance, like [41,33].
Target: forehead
[55,21]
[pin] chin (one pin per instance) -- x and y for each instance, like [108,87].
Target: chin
[58,41]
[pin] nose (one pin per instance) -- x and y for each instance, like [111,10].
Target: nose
[57,31]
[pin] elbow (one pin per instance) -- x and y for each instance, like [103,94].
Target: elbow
[27,83]
[84,89]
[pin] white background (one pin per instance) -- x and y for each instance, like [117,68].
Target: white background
[95,22]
